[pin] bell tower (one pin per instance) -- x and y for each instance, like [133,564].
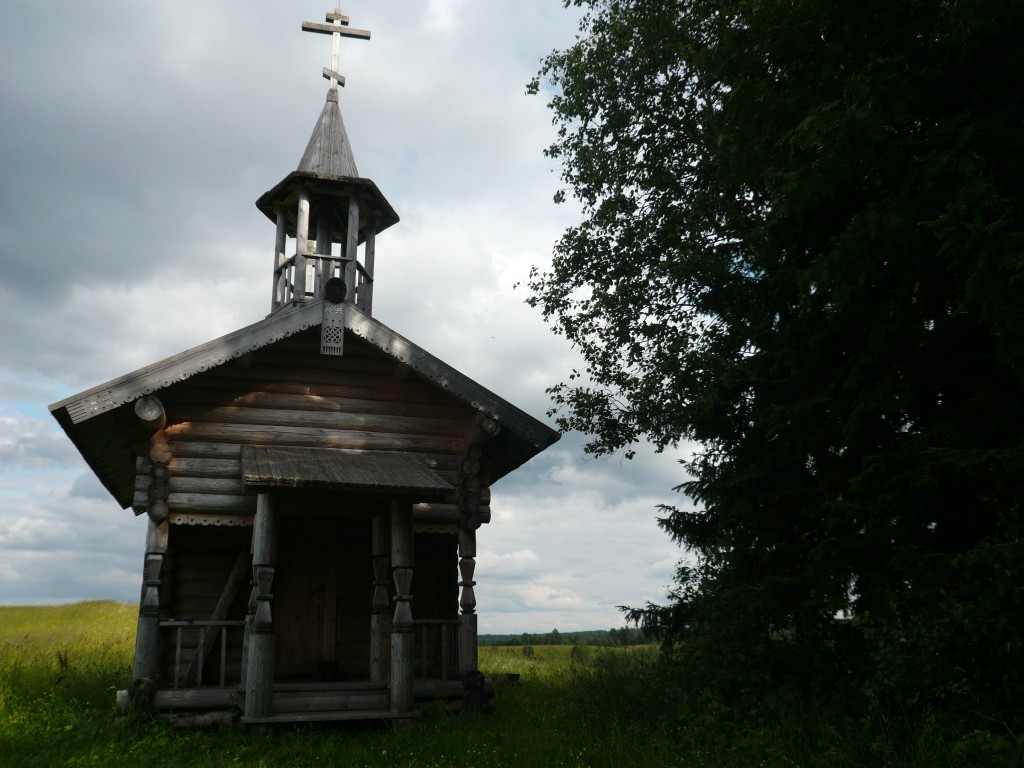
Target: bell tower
[327,215]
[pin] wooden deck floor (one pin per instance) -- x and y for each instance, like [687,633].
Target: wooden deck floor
[298,702]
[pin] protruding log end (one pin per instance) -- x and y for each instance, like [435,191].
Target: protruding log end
[150,411]
[482,429]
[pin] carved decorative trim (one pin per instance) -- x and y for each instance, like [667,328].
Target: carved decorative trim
[187,364]
[285,323]
[227,521]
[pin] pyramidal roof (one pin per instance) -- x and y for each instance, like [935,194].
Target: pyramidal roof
[329,152]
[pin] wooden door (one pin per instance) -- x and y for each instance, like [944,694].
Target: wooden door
[322,590]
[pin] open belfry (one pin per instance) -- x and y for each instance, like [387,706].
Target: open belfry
[314,482]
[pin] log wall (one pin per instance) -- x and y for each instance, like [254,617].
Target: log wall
[290,394]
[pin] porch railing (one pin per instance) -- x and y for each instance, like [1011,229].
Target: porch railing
[437,646]
[207,636]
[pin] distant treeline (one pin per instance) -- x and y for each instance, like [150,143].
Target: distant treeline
[596,637]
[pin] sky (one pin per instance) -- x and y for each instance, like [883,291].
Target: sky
[134,142]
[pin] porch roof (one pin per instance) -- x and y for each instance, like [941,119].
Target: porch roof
[383,472]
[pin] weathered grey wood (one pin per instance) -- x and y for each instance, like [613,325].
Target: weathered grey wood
[158,511]
[214,468]
[336,701]
[150,411]
[352,245]
[278,293]
[305,396]
[259,677]
[147,638]
[330,74]
[369,255]
[482,429]
[204,502]
[324,241]
[469,660]
[191,484]
[274,434]
[401,623]
[331,29]
[323,717]
[238,573]
[301,246]
[196,698]
[373,471]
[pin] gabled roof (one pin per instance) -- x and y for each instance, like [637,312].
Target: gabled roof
[103,403]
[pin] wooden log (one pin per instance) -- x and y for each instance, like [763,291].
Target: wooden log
[324,378]
[157,490]
[319,419]
[257,434]
[203,502]
[160,448]
[150,412]
[158,511]
[482,429]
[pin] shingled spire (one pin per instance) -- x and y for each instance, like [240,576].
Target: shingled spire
[324,202]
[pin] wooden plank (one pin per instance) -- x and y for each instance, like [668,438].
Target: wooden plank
[320,702]
[324,717]
[332,29]
[196,698]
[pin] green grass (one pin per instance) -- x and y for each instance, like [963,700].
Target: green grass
[60,667]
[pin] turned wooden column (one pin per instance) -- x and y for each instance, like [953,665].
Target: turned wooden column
[147,639]
[401,624]
[259,677]
[468,652]
[380,620]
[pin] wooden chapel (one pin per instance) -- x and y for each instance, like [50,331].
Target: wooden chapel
[314,481]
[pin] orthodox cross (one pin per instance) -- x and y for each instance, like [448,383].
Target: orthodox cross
[338,28]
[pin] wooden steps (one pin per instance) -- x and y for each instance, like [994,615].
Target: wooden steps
[329,716]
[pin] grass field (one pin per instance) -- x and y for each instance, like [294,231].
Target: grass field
[60,667]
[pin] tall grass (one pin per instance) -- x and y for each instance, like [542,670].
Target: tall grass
[60,666]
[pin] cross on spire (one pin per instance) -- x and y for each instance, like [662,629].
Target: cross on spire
[337,28]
